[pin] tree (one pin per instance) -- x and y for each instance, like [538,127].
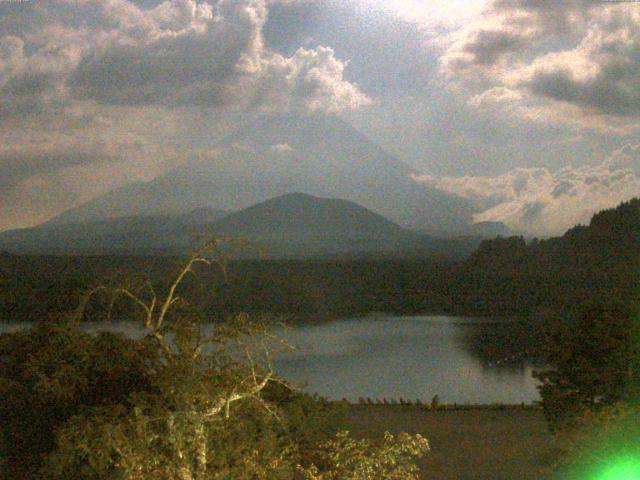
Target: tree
[593,361]
[186,402]
[601,444]
[53,372]
[205,417]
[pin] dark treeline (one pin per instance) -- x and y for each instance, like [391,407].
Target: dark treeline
[308,290]
[598,263]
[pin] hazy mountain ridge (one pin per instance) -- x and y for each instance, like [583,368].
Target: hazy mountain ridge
[131,235]
[504,277]
[315,154]
[298,224]
[307,217]
[291,225]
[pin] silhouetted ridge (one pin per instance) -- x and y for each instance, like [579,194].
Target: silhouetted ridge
[291,225]
[599,262]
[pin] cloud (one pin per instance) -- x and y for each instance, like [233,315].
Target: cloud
[16,166]
[625,158]
[573,62]
[433,14]
[310,80]
[282,148]
[49,163]
[177,53]
[540,202]
[33,83]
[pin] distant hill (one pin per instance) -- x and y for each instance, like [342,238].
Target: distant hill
[298,224]
[508,276]
[273,155]
[488,230]
[291,225]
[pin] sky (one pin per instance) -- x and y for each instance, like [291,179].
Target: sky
[528,108]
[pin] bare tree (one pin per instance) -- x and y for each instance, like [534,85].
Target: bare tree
[203,373]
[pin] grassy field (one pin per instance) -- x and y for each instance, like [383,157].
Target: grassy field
[473,444]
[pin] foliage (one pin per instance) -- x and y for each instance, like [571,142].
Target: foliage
[53,372]
[504,277]
[345,458]
[592,359]
[206,417]
[308,419]
[185,402]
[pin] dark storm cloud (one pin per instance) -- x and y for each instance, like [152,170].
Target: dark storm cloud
[531,211]
[489,46]
[611,91]
[604,73]
[174,74]
[552,15]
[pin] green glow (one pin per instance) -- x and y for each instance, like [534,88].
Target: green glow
[623,469]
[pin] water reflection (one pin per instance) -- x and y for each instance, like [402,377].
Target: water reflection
[459,359]
[408,357]
[506,344]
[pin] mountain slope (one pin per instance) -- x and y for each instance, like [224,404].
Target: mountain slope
[598,263]
[274,155]
[299,224]
[132,235]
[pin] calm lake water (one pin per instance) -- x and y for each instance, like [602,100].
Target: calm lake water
[392,357]
[408,357]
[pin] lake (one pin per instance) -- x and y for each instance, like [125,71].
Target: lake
[409,357]
[392,357]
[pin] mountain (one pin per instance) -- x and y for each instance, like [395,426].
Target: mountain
[319,155]
[298,224]
[132,235]
[291,225]
[488,230]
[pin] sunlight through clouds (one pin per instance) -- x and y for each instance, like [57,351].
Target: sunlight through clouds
[430,13]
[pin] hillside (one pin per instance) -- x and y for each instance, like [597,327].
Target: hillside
[298,224]
[125,235]
[599,262]
[273,155]
[507,277]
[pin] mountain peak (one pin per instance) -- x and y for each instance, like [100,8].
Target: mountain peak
[318,154]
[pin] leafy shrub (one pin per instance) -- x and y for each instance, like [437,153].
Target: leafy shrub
[345,458]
